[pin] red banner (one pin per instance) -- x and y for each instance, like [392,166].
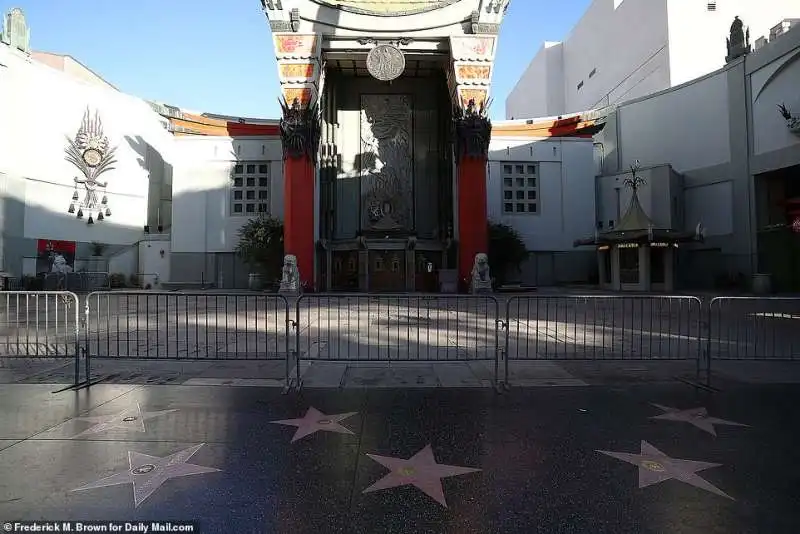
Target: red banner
[64,247]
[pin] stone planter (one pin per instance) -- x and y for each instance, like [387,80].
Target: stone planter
[255,282]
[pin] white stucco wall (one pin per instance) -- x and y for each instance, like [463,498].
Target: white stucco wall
[639,47]
[687,127]
[566,190]
[775,83]
[41,107]
[540,90]
[625,45]
[201,205]
[697,36]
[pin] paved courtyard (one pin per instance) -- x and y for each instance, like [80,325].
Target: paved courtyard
[625,459]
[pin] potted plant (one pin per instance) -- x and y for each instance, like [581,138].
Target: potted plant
[95,263]
[261,246]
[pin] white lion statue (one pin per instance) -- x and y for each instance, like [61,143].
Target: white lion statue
[481,277]
[290,279]
[60,265]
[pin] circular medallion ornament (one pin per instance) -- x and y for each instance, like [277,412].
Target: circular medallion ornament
[796,225]
[386,62]
[406,471]
[653,466]
[143,469]
[92,157]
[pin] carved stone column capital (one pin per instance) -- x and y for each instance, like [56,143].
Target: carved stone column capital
[472,131]
[300,130]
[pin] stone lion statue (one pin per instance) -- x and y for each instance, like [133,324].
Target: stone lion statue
[480,269]
[60,265]
[290,279]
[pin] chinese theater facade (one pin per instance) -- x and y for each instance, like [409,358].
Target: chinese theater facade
[385,138]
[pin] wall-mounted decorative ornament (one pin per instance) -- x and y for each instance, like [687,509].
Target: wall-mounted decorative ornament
[91,152]
[792,121]
[386,62]
[472,130]
[300,130]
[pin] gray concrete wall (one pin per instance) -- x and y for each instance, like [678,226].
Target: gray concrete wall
[558,268]
[223,270]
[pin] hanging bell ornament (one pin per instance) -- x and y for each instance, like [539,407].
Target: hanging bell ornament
[80,213]
[75,195]
[71,208]
[90,221]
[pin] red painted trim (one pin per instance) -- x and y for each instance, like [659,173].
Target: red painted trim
[298,221]
[571,130]
[236,129]
[473,235]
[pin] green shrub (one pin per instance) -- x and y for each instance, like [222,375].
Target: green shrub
[506,253]
[261,246]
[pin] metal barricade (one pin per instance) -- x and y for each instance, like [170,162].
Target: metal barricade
[603,327]
[153,325]
[145,281]
[754,328]
[40,325]
[79,282]
[95,281]
[405,328]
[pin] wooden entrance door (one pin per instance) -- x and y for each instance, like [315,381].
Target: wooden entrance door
[387,271]
[344,271]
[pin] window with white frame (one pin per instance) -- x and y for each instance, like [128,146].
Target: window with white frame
[250,188]
[521,188]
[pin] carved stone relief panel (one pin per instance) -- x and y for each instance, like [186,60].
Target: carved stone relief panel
[386,162]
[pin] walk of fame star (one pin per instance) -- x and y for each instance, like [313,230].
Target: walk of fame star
[655,466]
[130,419]
[421,471]
[147,473]
[694,416]
[315,420]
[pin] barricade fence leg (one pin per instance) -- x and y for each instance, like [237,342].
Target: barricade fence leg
[77,379]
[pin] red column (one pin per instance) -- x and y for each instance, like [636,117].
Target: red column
[473,131]
[300,134]
[473,236]
[298,221]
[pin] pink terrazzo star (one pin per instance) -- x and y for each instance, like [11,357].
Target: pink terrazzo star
[694,416]
[148,473]
[315,420]
[655,466]
[421,470]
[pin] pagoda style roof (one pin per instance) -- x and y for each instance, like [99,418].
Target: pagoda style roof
[637,227]
[386,7]
[635,218]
